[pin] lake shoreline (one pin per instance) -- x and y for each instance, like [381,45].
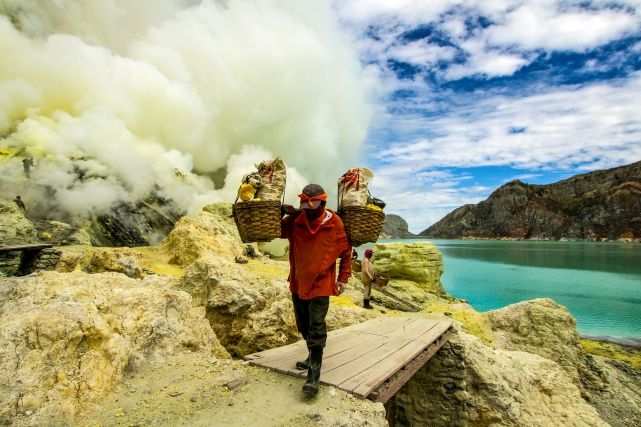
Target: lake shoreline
[516,239]
[630,343]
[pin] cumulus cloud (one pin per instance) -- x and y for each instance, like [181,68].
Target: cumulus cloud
[544,26]
[512,30]
[176,91]
[592,126]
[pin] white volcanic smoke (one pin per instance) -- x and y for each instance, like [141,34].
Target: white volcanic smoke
[114,99]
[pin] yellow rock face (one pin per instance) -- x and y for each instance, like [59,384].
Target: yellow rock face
[205,234]
[418,262]
[77,333]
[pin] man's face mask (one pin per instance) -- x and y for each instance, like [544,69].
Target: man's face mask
[313,214]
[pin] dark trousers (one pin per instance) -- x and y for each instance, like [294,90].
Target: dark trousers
[310,320]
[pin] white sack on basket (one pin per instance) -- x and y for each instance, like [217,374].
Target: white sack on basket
[352,187]
[273,176]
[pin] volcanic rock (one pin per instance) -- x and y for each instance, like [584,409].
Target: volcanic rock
[15,229]
[543,327]
[395,227]
[78,333]
[248,311]
[418,262]
[206,234]
[60,233]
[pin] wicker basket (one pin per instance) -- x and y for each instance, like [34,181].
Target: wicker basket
[362,224]
[356,266]
[381,279]
[257,221]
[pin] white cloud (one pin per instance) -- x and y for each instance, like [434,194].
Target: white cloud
[422,53]
[545,26]
[561,128]
[488,63]
[549,25]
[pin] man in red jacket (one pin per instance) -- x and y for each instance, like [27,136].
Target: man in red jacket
[316,239]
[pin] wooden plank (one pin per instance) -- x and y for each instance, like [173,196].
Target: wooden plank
[387,391]
[341,350]
[396,327]
[287,361]
[343,373]
[364,384]
[370,343]
[390,365]
[29,247]
[364,347]
[381,324]
[276,351]
[337,343]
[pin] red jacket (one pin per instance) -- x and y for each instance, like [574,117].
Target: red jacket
[312,257]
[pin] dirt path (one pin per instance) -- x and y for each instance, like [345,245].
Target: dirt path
[198,391]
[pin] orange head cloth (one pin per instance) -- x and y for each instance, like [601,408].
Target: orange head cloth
[311,199]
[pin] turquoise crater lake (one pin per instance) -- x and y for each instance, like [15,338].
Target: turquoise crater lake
[600,283]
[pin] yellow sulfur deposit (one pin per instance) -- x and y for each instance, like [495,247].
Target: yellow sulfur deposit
[246,192]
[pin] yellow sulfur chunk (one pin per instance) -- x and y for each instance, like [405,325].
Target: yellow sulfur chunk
[246,192]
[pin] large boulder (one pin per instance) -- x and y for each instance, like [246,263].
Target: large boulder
[77,334]
[208,233]
[249,310]
[419,262]
[15,229]
[513,388]
[468,383]
[543,327]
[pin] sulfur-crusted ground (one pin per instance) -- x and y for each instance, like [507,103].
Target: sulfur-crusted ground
[193,390]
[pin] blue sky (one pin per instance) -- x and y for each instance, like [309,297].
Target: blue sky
[477,93]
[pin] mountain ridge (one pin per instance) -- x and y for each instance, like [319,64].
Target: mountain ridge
[603,205]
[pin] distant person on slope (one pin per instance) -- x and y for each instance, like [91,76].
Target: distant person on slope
[26,165]
[20,203]
[316,239]
[367,276]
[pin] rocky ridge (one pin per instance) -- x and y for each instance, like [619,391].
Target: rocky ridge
[600,205]
[395,227]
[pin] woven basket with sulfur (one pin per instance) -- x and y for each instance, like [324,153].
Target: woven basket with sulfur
[381,280]
[362,224]
[257,221]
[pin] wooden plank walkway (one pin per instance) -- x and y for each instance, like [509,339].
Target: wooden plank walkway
[371,360]
[27,247]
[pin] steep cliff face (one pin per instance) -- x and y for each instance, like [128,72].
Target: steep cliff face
[396,227]
[601,205]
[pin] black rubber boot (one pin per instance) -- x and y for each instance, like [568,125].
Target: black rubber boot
[303,364]
[366,304]
[313,373]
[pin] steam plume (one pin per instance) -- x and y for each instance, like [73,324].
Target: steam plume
[114,99]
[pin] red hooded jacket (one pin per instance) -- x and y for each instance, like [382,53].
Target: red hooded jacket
[312,257]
